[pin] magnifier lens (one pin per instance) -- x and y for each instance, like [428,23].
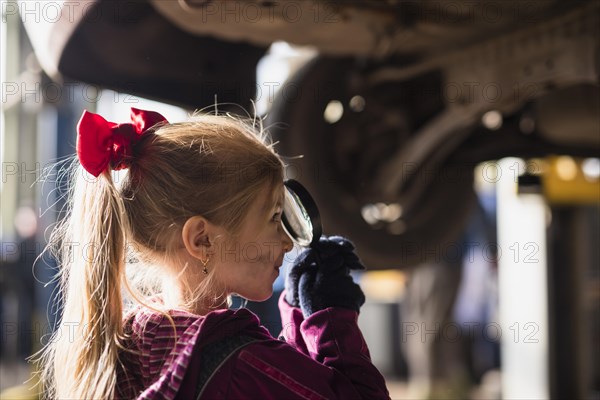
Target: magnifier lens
[297,223]
[300,217]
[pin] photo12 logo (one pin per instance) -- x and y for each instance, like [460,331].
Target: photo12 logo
[452,332]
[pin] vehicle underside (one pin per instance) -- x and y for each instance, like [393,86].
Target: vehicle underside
[403,100]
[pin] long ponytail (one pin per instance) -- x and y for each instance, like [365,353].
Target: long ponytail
[81,359]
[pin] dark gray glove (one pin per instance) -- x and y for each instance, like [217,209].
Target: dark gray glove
[320,277]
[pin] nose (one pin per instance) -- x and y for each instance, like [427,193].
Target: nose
[286,241]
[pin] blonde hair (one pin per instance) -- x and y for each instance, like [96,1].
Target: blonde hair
[213,166]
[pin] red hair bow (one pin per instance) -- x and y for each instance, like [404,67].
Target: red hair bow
[101,143]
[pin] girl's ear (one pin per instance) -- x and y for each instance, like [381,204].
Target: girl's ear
[196,234]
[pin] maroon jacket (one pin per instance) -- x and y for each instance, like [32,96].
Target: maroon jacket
[322,357]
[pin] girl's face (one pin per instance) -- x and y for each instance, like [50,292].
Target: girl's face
[249,264]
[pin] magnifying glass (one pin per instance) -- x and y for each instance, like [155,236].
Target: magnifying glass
[300,216]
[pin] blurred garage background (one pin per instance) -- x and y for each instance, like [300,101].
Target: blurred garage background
[457,143]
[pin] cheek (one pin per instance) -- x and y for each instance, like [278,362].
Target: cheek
[252,253]
[265,251]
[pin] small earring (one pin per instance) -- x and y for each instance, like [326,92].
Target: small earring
[205,270]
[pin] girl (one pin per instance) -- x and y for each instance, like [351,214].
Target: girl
[196,218]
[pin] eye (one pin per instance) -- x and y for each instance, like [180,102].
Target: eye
[276,217]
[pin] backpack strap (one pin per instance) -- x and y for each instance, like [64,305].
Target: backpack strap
[215,354]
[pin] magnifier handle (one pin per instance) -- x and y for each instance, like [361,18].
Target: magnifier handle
[335,247]
[327,282]
[318,260]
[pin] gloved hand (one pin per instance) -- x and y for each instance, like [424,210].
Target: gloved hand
[320,277]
